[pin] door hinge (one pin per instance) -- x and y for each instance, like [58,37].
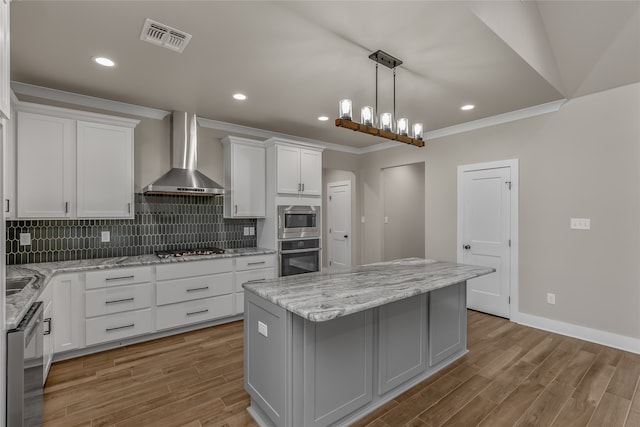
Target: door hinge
[509,184]
[330,198]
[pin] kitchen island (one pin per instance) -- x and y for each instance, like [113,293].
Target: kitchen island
[324,349]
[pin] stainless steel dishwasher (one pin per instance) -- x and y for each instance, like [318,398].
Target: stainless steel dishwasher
[24,370]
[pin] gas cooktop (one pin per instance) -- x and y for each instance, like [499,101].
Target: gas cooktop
[188,252]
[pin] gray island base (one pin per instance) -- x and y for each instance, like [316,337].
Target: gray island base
[325,349]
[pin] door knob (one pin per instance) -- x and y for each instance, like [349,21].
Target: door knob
[346,236]
[467,247]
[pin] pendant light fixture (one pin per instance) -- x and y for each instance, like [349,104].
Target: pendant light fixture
[386,127]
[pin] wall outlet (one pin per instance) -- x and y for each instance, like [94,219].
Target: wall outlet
[386,220]
[25,239]
[580,223]
[246,231]
[105,236]
[262,329]
[551,298]
[252,231]
[361,220]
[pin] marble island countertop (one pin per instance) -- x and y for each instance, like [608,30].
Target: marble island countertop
[17,304]
[323,296]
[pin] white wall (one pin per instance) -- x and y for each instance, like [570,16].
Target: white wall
[582,161]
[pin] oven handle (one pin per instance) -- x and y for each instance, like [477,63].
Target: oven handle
[299,251]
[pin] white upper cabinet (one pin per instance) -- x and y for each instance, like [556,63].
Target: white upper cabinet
[73,164]
[105,171]
[244,178]
[298,171]
[45,166]
[5,89]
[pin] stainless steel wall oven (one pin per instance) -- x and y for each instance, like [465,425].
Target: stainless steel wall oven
[299,256]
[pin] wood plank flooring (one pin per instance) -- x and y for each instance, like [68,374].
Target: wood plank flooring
[512,376]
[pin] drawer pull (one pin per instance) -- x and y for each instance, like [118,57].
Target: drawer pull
[193,313]
[120,327]
[115,301]
[254,281]
[257,263]
[47,321]
[120,278]
[204,288]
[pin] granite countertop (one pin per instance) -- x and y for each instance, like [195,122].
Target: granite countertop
[16,305]
[323,296]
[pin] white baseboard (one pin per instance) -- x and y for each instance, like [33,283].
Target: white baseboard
[597,336]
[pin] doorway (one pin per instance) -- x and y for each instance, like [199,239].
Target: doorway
[404,209]
[339,224]
[487,233]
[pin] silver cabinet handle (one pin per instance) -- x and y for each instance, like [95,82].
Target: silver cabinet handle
[7,209]
[299,187]
[256,263]
[66,207]
[120,278]
[303,187]
[204,288]
[48,323]
[193,313]
[236,209]
[115,301]
[120,327]
[129,207]
[254,281]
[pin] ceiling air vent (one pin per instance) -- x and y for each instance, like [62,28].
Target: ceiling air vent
[165,36]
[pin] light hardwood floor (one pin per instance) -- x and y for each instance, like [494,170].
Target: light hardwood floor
[512,376]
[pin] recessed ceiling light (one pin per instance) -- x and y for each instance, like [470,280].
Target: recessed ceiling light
[105,62]
[323,118]
[467,107]
[239,96]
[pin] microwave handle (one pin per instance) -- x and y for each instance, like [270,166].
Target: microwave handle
[279,222]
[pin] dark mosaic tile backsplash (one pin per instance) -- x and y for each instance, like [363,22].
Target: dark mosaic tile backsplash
[161,223]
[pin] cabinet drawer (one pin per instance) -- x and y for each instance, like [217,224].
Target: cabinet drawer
[118,326]
[260,274]
[193,268]
[117,277]
[251,262]
[99,302]
[184,313]
[171,291]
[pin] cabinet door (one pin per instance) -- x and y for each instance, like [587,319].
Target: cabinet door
[46,166]
[46,297]
[5,89]
[288,170]
[248,181]
[68,312]
[105,171]
[311,172]
[447,322]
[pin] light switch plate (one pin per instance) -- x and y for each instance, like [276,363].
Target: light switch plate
[262,329]
[580,223]
[25,239]
[105,236]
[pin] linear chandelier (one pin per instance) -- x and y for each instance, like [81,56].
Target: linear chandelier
[386,127]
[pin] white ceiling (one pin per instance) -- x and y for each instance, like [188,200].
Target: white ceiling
[296,59]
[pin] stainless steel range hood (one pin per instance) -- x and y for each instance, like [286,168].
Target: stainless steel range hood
[184,178]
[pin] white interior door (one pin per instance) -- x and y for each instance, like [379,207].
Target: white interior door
[339,224]
[485,205]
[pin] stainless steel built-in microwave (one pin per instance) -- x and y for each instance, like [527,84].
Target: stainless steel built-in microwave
[298,222]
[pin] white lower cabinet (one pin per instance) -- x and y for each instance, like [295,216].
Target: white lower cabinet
[252,269]
[115,308]
[188,312]
[118,326]
[46,297]
[68,312]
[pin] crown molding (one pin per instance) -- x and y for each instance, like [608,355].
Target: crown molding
[87,101]
[511,116]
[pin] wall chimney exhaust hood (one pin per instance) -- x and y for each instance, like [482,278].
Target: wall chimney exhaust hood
[184,178]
